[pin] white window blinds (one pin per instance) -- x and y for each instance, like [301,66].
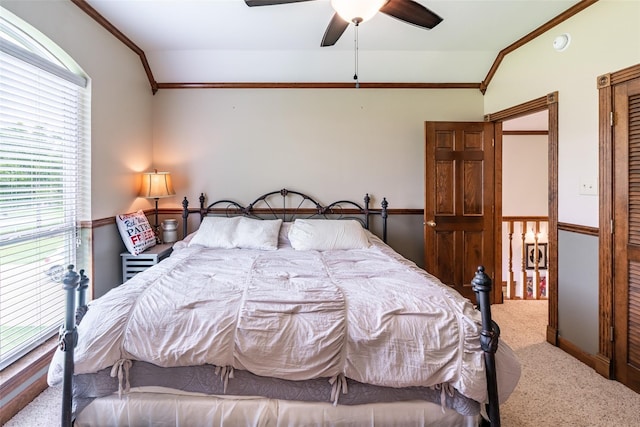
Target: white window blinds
[42,133]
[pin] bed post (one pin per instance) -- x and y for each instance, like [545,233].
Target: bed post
[81,310]
[367,199]
[185,214]
[488,341]
[203,209]
[67,342]
[384,215]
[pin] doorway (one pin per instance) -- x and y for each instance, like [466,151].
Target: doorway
[548,104]
[525,198]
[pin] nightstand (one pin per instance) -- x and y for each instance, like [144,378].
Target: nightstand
[134,264]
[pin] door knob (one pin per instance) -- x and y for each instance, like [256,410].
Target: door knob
[431,223]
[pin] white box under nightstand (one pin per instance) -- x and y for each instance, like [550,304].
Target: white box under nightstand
[134,264]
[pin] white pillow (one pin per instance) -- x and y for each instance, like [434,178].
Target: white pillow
[216,232]
[237,232]
[136,232]
[258,233]
[325,235]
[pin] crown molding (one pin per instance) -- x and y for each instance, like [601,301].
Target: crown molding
[155,86]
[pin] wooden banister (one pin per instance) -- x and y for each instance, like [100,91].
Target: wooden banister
[524,224]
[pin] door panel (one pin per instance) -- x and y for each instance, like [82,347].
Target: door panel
[627,233]
[445,248]
[459,188]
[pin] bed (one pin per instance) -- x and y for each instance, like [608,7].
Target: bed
[285,312]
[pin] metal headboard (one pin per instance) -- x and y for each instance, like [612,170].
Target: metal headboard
[289,205]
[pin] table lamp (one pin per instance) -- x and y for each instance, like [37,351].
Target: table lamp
[156,185]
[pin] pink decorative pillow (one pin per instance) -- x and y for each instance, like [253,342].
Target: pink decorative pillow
[136,232]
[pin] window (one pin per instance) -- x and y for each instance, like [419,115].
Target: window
[43,146]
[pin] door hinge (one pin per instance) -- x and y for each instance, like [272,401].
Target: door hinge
[611,336]
[493,142]
[612,119]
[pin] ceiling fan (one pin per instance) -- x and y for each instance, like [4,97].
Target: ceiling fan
[358,11]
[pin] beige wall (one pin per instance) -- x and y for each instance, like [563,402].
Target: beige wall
[333,144]
[121,100]
[605,37]
[121,142]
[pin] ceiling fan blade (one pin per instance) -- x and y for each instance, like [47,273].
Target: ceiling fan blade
[411,12]
[334,30]
[252,3]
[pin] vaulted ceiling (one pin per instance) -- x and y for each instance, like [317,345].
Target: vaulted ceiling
[213,41]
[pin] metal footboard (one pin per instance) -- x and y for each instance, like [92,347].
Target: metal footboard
[71,283]
[488,341]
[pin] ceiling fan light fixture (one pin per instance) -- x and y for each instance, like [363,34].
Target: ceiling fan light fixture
[357,10]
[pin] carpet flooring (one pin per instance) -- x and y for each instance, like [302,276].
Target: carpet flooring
[555,389]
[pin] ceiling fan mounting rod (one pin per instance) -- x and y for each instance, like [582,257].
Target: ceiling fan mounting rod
[356,22]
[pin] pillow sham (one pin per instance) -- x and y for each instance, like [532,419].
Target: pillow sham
[237,232]
[216,232]
[327,234]
[136,232]
[258,233]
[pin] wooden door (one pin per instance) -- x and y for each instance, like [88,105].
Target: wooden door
[459,193]
[626,141]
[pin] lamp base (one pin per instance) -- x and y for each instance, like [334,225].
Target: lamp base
[156,226]
[156,232]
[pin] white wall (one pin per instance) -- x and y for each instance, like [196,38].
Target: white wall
[605,37]
[333,144]
[525,175]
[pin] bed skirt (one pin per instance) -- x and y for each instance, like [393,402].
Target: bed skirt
[156,406]
[210,380]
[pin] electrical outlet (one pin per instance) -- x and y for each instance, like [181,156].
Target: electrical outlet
[588,187]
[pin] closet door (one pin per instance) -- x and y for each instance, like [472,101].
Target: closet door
[627,233]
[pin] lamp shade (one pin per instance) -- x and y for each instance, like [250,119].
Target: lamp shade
[357,10]
[156,185]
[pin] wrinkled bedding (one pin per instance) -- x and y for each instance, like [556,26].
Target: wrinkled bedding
[364,314]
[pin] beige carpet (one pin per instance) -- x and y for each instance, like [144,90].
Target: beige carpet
[555,389]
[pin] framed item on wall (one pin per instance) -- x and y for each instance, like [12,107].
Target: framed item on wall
[530,249]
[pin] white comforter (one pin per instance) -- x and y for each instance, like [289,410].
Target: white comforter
[369,315]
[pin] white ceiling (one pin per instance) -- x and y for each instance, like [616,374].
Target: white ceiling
[227,41]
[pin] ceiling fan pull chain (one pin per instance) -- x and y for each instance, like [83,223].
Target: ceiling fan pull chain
[355,76]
